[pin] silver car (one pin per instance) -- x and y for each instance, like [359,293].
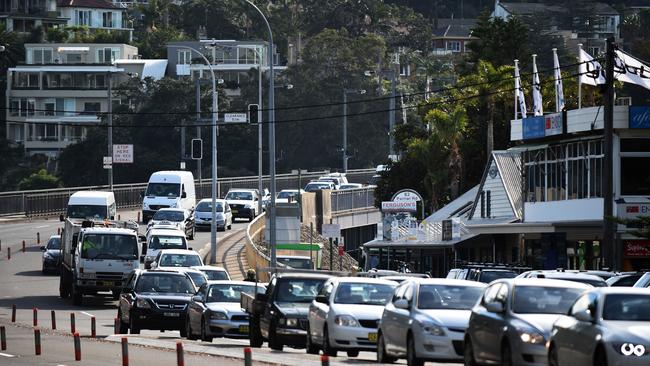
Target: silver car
[512,322]
[605,326]
[203,214]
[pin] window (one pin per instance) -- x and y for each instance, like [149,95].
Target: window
[44,132]
[107,19]
[21,107]
[41,55]
[73,58]
[107,55]
[49,108]
[635,179]
[453,46]
[25,80]
[184,57]
[83,17]
[404,69]
[594,51]
[92,107]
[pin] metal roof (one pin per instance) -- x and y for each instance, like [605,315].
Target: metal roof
[510,171]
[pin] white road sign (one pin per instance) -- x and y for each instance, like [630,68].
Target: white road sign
[107,160]
[332,230]
[235,118]
[122,153]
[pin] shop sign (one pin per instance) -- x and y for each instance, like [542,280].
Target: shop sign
[404,206]
[639,117]
[533,127]
[633,210]
[636,248]
[553,124]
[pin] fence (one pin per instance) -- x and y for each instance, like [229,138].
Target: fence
[350,199]
[54,201]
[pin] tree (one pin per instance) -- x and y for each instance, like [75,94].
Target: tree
[498,41]
[39,180]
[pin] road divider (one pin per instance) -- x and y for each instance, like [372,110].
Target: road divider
[125,351]
[3,338]
[37,341]
[58,231]
[23,246]
[72,324]
[116,325]
[8,253]
[77,347]
[53,315]
[38,237]
[325,360]
[180,358]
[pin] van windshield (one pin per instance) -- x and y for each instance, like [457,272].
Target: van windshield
[109,246]
[87,211]
[163,189]
[167,242]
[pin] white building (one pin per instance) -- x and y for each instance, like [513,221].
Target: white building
[94,14]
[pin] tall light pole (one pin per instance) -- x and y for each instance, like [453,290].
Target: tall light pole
[271,204]
[215,112]
[345,124]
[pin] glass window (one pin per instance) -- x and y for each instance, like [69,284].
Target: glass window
[184,57]
[627,307]
[175,216]
[448,297]
[49,108]
[363,293]
[163,189]
[635,178]
[242,196]
[167,242]
[453,46]
[109,246]
[298,290]
[216,275]
[107,19]
[491,292]
[544,300]
[197,277]
[54,243]
[92,107]
[228,292]
[87,211]
[83,17]
[164,282]
[206,206]
[179,260]
[42,55]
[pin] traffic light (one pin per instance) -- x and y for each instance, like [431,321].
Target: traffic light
[197,149]
[253,113]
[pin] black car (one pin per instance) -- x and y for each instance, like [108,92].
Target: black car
[52,254]
[155,299]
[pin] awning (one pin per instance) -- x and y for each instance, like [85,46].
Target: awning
[73,49]
[440,244]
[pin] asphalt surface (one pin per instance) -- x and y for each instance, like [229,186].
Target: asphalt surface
[22,284]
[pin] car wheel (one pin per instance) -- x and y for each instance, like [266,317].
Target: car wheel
[188,330]
[411,357]
[63,289]
[327,347]
[353,353]
[382,355]
[600,357]
[122,327]
[133,326]
[552,356]
[254,334]
[469,353]
[312,349]
[204,333]
[274,342]
[506,354]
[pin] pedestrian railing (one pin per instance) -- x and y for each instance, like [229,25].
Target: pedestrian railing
[351,199]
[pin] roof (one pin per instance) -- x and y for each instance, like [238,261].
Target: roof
[544,282]
[303,275]
[364,280]
[108,230]
[209,268]
[455,208]
[233,282]
[534,8]
[209,200]
[454,30]
[509,166]
[178,251]
[102,4]
[165,231]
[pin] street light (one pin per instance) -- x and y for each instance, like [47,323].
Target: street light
[215,112]
[345,123]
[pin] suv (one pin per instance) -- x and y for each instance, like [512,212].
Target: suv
[243,203]
[154,299]
[485,273]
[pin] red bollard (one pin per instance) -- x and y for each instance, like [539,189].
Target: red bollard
[8,253]
[72,325]
[180,359]
[53,320]
[125,351]
[13,313]
[3,338]
[324,360]
[37,341]
[38,238]
[77,347]
[93,329]
[248,357]
[35,311]
[23,246]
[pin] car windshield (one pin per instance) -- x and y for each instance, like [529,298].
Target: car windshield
[228,292]
[54,243]
[363,293]
[627,307]
[544,300]
[297,263]
[489,276]
[239,196]
[198,278]
[448,297]
[109,246]
[167,242]
[206,206]
[163,189]
[176,216]
[285,194]
[164,282]
[179,260]
[87,211]
[298,290]
[216,275]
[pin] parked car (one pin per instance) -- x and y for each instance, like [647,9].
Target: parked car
[605,326]
[51,254]
[426,320]
[345,315]
[512,322]
[154,299]
[214,273]
[174,258]
[319,186]
[178,218]
[624,280]
[286,194]
[592,280]
[215,310]
[203,214]
[243,203]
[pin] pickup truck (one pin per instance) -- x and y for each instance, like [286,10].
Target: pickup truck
[279,316]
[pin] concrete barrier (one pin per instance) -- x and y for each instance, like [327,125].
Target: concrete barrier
[254,256]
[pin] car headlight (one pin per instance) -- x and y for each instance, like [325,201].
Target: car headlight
[433,329]
[346,321]
[531,337]
[142,303]
[218,315]
[631,349]
[289,322]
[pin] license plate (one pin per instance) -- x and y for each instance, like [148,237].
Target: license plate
[234,211]
[174,315]
[243,329]
[372,337]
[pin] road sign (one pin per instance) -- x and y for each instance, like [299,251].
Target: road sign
[235,118]
[332,230]
[123,153]
[107,160]
[108,166]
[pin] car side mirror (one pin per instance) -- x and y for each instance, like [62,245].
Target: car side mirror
[184,194]
[42,248]
[401,304]
[190,248]
[322,299]
[261,297]
[495,307]
[153,264]
[61,217]
[584,316]
[197,298]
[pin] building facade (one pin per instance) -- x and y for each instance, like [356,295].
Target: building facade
[94,14]
[25,16]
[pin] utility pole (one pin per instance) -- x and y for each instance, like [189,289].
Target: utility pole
[345,131]
[391,115]
[608,247]
[110,129]
[198,122]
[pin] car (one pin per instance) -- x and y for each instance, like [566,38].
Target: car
[178,218]
[319,186]
[337,178]
[243,203]
[203,214]
[214,272]
[404,277]
[345,315]
[605,326]
[605,275]
[426,320]
[198,277]
[295,261]
[174,258]
[215,310]
[512,321]
[592,280]
[154,299]
[644,281]
[158,239]
[351,186]
[624,280]
[288,194]
[455,273]
[51,254]
[487,274]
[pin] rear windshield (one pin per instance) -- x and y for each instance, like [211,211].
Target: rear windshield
[176,216]
[544,300]
[163,189]
[363,293]
[489,276]
[164,282]
[207,207]
[167,242]
[229,292]
[198,278]
[180,260]
[286,194]
[216,275]
[298,290]
[448,297]
[54,243]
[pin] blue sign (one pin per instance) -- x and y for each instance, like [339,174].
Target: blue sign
[533,127]
[639,117]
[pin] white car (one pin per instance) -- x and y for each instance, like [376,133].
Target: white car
[318,186]
[160,239]
[284,195]
[345,315]
[178,218]
[426,320]
[203,214]
[243,203]
[214,273]
[174,258]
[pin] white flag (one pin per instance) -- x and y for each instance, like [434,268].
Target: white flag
[630,70]
[559,93]
[538,110]
[519,93]
[590,70]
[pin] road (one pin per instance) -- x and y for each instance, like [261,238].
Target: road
[25,286]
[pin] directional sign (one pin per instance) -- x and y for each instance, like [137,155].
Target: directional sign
[235,118]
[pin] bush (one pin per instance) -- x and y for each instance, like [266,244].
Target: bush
[39,180]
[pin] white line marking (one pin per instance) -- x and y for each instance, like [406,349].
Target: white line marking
[42,226]
[6,355]
[87,314]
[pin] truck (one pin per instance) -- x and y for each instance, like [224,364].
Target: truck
[279,315]
[97,256]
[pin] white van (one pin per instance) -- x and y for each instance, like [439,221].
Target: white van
[97,205]
[163,238]
[173,189]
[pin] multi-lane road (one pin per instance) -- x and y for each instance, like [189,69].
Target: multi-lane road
[22,284]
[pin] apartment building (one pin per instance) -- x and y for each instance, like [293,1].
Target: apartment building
[94,14]
[24,16]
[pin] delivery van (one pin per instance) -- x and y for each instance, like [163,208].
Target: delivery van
[173,189]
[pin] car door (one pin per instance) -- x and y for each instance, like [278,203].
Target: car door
[480,323]
[389,319]
[127,297]
[402,318]
[318,312]
[197,307]
[583,332]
